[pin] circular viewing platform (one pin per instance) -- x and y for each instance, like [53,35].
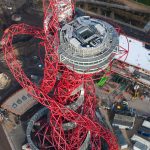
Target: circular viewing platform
[87,45]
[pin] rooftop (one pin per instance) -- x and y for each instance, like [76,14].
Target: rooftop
[140,146]
[87,45]
[138,55]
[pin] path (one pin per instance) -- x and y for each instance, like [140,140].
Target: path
[4,144]
[135,5]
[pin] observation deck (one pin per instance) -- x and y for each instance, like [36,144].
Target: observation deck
[87,45]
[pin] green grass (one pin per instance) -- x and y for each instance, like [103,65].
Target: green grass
[146,2]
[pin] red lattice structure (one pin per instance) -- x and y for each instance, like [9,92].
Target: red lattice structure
[83,118]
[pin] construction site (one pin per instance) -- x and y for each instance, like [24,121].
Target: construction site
[74,75]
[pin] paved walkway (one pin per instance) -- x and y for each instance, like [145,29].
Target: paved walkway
[142,106]
[135,5]
[4,144]
[15,133]
[105,114]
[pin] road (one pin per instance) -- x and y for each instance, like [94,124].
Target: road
[122,4]
[142,107]
[135,5]
[4,144]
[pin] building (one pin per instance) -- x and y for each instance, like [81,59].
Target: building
[146,124]
[144,130]
[19,102]
[123,121]
[87,45]
[140,146]
[141,141]
[137,63]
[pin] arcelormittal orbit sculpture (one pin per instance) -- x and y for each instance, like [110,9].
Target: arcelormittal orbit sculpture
[75,49]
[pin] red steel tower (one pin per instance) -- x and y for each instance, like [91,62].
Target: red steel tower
[75,50]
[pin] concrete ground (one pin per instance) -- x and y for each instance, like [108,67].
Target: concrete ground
[4,144]
[18,137]
[105,115]
[14,132]
[137,125]
[142,106]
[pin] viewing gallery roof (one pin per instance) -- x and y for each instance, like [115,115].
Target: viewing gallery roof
[86,43]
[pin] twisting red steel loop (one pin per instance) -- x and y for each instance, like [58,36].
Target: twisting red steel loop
[74,99]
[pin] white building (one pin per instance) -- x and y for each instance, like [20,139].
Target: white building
[140,146]
[138,55]
[138,58]
[123,121]
[146,124]
[141,140]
